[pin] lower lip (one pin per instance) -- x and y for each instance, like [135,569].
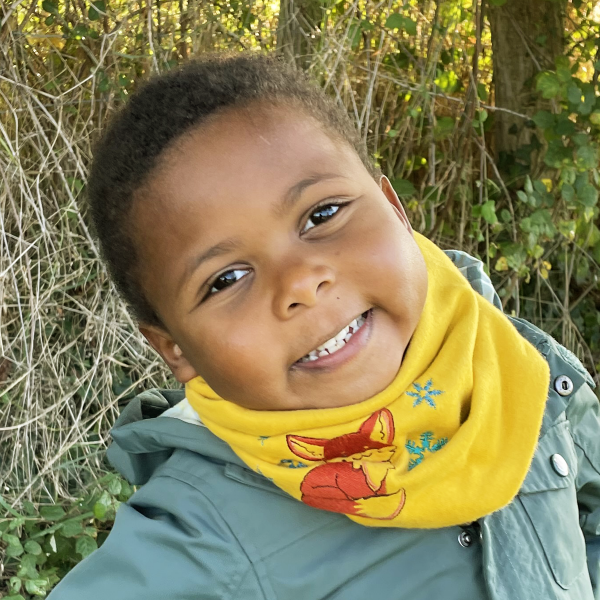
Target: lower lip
[350,349]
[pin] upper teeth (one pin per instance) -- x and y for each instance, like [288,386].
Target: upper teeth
[336,342]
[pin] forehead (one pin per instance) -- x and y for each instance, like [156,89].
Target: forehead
[245,153]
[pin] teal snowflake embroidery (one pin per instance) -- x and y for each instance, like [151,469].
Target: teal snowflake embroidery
[427,445]
[424,393]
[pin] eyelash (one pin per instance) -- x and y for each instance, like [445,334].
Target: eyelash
[216,279]
[337,205]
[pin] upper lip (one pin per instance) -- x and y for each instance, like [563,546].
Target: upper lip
[334,333]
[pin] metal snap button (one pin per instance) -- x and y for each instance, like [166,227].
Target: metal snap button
[563,385]
[465,539]
[560,465]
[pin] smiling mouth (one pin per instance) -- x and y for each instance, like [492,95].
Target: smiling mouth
[338,341]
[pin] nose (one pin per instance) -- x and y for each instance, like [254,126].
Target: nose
[300,285]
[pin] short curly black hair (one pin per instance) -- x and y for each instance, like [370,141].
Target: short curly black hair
[163,109]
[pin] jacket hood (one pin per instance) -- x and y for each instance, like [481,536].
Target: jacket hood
[143,440]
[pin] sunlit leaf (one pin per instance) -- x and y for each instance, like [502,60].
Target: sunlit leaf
[595,117]
[501,264]
[488,212]
[548,84]
[37,587]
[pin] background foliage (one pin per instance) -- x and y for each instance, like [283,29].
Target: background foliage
[484,114]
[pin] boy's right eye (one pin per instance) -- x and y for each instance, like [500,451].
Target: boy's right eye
[226,280]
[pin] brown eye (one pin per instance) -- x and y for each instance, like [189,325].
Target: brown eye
[321,215]
[227,279]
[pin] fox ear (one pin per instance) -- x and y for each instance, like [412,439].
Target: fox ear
[379,427]
[307,448]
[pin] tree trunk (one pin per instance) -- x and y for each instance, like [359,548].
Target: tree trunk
[298,29]
[527,36]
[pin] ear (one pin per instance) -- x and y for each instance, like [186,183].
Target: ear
[379,427]
[169,351]
[390,194]
[307,448]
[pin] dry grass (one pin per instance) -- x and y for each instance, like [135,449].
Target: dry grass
[66,340]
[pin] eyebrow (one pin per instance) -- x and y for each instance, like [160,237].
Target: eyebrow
[295,192]
[219,249]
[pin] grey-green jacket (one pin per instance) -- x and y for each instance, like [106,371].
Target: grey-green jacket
[203,526]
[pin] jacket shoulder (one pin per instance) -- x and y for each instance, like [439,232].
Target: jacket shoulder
[559,357]
[168,541]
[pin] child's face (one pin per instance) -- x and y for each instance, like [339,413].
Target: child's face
[261,238]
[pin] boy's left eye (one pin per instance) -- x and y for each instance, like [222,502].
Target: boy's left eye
[321,214]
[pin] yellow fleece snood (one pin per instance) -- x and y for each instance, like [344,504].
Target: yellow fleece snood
[447,442]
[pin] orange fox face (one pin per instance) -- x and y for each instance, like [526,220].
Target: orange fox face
[352,476]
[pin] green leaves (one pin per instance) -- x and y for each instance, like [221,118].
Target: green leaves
[37,587]
[42,545]
[544,119]
[581,97]
[588,195]
[548,84]
[568,192]
[102,506]
[27,568]
[115,486]
[52,513]
[33,548]
[403,188]
[50,6]
[488,212]
[595,118]
[557,154]
[539,224]
[398,21]
[72,529]
[586,157]
[14,547]
[447,81]
[85,546]
[96,7]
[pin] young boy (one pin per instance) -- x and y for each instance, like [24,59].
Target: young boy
[357,421]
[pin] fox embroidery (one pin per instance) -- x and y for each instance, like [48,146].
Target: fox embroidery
[352,478]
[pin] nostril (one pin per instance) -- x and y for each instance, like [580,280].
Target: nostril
[293,305]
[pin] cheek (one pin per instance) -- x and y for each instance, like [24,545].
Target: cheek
[236,353]
[386,258]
